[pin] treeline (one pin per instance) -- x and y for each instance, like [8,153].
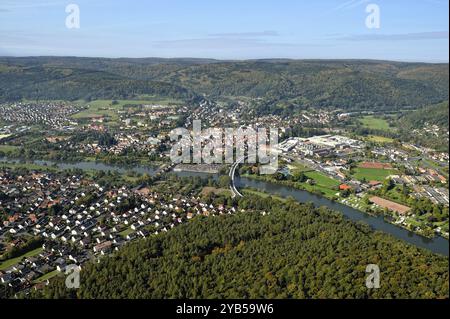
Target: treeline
[16,251]
[292,251]
[44,83]
[283,85]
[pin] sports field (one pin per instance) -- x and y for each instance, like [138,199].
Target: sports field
[373,174]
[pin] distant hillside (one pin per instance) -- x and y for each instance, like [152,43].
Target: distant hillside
[415,126]
[433,115]
[328,83]
[43,82]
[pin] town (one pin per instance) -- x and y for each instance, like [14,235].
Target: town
[55,219]
[65,219]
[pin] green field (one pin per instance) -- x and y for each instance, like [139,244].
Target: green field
[322,184]
[13,261]
[47,276]
[100,108]
[126,232]
[297,167]
[373,174]
[375,123]
[262,194]
[106,108]
[7,148]
[380,139]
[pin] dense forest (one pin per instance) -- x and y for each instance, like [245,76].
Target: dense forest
[349,84]
[49,83]
[293,251]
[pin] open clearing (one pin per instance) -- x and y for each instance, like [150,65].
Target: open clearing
[373,174]
[375,123]
[106,108]
[380,139]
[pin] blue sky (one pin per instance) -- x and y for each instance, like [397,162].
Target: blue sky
[410,30]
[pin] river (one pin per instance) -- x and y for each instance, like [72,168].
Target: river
[438,244]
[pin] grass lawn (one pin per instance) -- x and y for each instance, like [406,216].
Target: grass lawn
[2,136]
[99,108]
[395,194]
[105,107]
[218,191]
[322,180]
[323,184]
[262,194]
[126,232]
[297,167]
[13,261]
[46,276]
[8,148]
[380,139]
[373,174]
[375,123]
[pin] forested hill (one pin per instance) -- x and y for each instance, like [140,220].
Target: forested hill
[55,83]
[296,251]
[334,83]
[431,115]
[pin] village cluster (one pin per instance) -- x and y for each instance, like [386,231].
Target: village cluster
[122,142]
[55,115]
[337,157]
[78,220]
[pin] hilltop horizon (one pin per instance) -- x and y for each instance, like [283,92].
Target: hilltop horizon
[188,58]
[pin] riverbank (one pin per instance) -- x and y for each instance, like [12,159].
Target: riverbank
[438,244]
[351,201]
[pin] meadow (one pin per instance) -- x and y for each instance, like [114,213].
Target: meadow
[375,123]
[373,174]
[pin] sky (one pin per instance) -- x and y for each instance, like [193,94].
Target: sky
[408,30]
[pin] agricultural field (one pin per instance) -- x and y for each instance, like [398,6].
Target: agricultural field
[373,174]
[375,123]
[380,139]
[109,109]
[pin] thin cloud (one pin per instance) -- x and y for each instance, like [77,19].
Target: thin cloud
[437,2]
[11,5]
[398,37]
[350,4]
[246,34]
[218,42]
